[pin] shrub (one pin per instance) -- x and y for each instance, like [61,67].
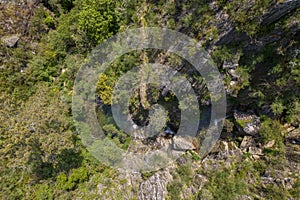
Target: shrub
[99,19]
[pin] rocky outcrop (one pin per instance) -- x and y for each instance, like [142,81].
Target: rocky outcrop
[278,177]
[279,11]
[154,188]
[229,34]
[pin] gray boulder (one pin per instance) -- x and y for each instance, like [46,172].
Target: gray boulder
[183,143]
[10,41]
[247,123]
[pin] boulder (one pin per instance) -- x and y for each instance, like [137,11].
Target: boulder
[233,83]
[247,141]
[232,146]
[255,151]
[269,144]
[233,73]
[220,146]
[251,128]
[230,64]
[10,41]
[247,123]
[181,143]
[224,146]
[293,136]
[200,180]
[243,197]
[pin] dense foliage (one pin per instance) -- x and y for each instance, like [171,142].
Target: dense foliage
[41,154]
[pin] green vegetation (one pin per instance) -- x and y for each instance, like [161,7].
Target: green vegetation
[98,19]
[41,153]
[181,178]
[225,185]
[243,122]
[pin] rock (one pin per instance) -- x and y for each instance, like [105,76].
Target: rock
[233,73]
[183,143]
[286,129]
[230,35]
[279,11]
[4,1]
[10,41]
[225,26]
[220,146]
[288,183]
[232,83]
[224,146]
[200,180]
[255,157]
[232,146]
[230,65]
[219,160]
[187,193]
[247,123]
[289,129]
[155,187]
[269,144]
[243,197]
[251,128]
[214,6]
[267,180]
[293,136]
[279,178]
[247,141]
[255,151]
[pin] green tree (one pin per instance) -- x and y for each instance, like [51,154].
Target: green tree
[99,19]
[38,134]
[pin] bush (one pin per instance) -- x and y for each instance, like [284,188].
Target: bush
[271,130]
[99,19]
[43,192]
[76,177]
[225,185]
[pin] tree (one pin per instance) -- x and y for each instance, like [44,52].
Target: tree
[99,19]
[38,134]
